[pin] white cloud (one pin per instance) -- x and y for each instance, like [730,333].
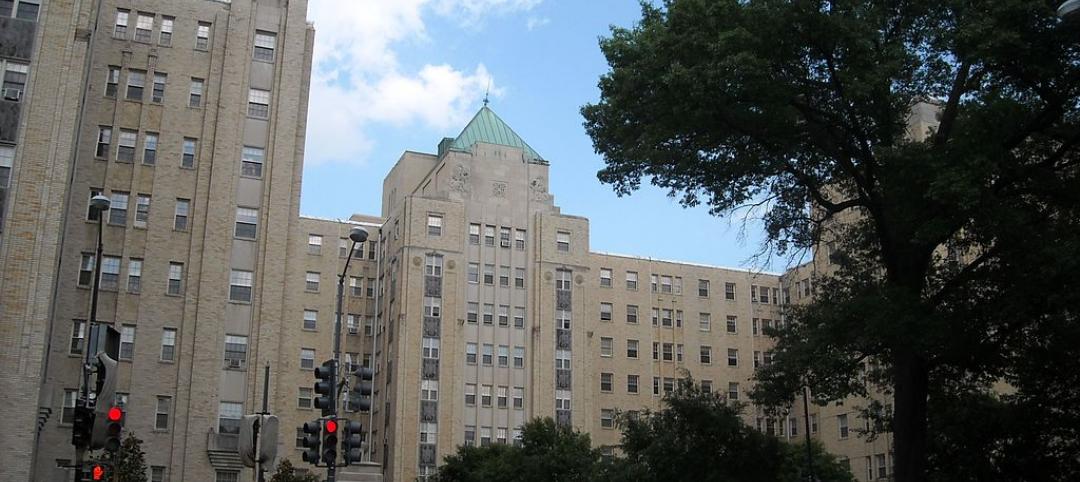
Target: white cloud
[534,23]
[357,81]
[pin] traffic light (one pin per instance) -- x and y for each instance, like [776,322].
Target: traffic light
[330,441]
[82,426]
[94,471]
[324,387]
[311,441]
[352,440]
[360,395]
[108,417]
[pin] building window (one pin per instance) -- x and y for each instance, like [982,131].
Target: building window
[136,81]
[134,275]
[485,436]
[605,277]
[314,244]
[251,162]
[165,35]
[86,270]
[110,273]
[474,273]
[632,383]
[504,356]
[489,274]
[606,346]
[227,476]
[703,288]
[26,10]
[562,399]
[472,311]
[519,317]
[631,280]
[485,395]
[307,359]
[78,334]
[188,157]
[474,233]
[504,315]
[127,342]
[168,344]
[202,36]
[370,290]
[665,284]
[470,353]
[247,220]
[519,278]
[733,357]
[180,215]
[519,239]
[235,352]
[488,354]
[732,324]
[229,414]
[562,359]
[733,391]
[310,319]
[121,24]
[15,75]
[161,413]
[470,394]
[144,24]
[157,474]
[104,141]
[356,286]
[240,283]
[502,397]
[264,46]
[605,311]
[504,276]
[842,425]
[304,397]
[150,148]
[607,418]
[562,279]
[142,210]
[519,357]
[118,208]
[430,348]
[311,281]
[176,279]
[519,398]
[606,382]
[432,306]
[195,93]
[429,390]
[504,237]
[562,240]
[259,103]
[631,348]
[489,235]
[112,80]
[125,151]
[706,355]
[434,224]
[158,93]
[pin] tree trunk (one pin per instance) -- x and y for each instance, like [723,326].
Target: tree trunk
[910,375]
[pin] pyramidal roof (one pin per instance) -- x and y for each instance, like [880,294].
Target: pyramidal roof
[487,127]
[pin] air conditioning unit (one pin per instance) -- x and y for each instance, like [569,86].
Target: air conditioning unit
[354,330]
[234,363]
[12,94]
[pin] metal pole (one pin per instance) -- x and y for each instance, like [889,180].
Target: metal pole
[331,470]
[258,448]
[806,418]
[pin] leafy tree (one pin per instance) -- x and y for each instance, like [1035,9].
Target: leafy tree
[918,124]
[287,473]
[130,462]
[547,452]
[698,435]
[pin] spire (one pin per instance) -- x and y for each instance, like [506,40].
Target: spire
[488,128]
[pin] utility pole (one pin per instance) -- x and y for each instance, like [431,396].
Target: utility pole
[806,419]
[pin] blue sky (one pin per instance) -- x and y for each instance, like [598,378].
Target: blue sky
[400,75]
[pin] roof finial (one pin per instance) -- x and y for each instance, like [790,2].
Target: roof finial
[486,92]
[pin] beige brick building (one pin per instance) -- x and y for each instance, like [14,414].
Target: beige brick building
[477,300]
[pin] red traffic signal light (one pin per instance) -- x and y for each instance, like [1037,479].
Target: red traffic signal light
[115,413]
[97,473]
[331,426]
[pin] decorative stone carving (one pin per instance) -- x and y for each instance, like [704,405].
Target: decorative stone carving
[450,264]
[498,189]
[460,180]
[431,326]
[428,411]
[538,188]
[563,300]
[416,261]
[579,279]
[430,369]
[547,276]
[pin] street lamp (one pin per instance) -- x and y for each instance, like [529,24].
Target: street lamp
[98,204]
[357,235]
[1069,9]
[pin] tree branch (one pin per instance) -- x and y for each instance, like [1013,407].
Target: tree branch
[952,105]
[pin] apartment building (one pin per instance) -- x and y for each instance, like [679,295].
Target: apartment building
[189,116]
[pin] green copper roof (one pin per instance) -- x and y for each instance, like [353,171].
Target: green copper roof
[487,127]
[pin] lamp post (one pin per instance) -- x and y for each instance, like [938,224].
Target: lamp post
[98,204]
[1069,9]
[357,235]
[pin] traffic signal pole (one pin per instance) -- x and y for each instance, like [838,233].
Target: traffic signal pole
[84,396]
[356,235]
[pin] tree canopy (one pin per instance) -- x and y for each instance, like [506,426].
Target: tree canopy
[900,131]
